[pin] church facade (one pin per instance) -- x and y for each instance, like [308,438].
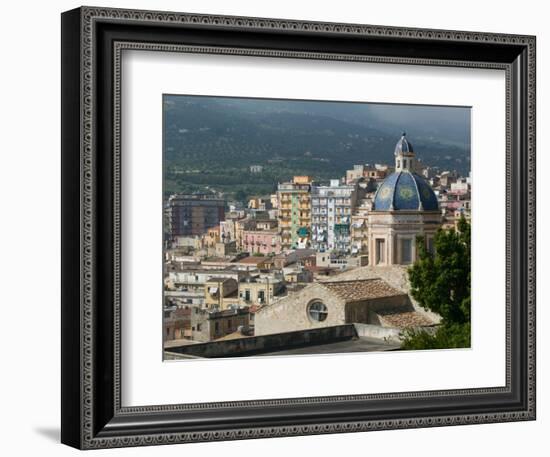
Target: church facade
[404,207]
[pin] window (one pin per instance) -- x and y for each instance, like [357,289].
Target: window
[317,311]
[406,251]
[430,245]
[380,251]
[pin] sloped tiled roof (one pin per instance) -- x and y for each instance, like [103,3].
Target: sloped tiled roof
[403,318]
[254,260]
[362,289]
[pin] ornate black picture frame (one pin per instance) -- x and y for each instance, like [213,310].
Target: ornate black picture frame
[92,414]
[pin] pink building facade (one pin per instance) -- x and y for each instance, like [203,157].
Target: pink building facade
[261,242]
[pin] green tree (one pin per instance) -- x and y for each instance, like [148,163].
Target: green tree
[240,196]
[441,282]
[445,337]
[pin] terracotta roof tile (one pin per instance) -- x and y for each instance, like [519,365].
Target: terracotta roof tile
[254,308]
[255,260]
[363,289]
[403,318]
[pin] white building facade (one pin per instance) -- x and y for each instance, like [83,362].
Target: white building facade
[331,210]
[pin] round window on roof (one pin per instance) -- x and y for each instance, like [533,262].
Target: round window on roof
[317,311]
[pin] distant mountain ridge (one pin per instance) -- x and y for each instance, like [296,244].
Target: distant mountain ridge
[204,134]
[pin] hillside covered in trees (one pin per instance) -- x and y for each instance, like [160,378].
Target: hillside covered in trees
[210,142]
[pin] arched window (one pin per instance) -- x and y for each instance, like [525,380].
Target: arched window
[317,311]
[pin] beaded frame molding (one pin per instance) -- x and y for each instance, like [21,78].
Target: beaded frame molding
[92,43]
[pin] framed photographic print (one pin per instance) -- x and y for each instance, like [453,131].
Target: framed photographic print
[273,228]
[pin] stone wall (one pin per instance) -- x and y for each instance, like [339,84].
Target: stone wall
[290,313]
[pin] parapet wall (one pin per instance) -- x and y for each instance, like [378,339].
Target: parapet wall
[268,343]
[378,332]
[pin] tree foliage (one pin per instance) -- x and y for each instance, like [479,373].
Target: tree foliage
[445,337]
[441,282]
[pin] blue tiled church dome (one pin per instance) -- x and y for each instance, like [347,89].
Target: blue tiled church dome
[404,190]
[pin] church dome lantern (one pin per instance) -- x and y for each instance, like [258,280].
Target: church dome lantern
[403,146]
[404,154]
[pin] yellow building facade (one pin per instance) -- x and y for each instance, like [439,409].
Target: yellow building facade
[294,212]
